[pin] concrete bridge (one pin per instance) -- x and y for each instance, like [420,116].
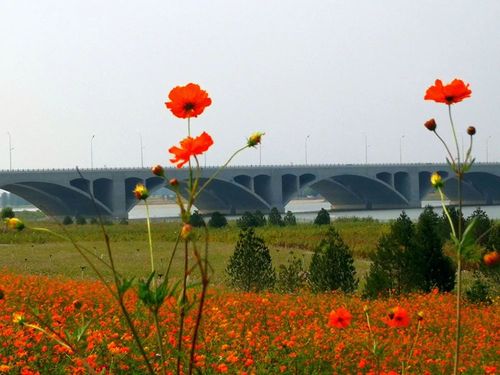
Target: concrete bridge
[239,189]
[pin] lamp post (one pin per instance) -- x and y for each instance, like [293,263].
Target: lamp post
[92,152]
[142,148]
[10,151]
[366,149]
[487,150]
[401,149]
[305,146]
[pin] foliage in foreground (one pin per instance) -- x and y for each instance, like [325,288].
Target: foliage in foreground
[244,332]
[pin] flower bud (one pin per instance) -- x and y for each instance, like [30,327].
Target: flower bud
[173,182]
[18,318]
[254,139]
[431,124]
[491,258]
[420,316]
[141,192]
[471,130]
[186,231]
[15,224]
[436,180]
[158,170]
[77,304]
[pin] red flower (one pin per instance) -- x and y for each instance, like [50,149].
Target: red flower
[188,101]
[340,318]
[190,147]
[398,317]
[453,92]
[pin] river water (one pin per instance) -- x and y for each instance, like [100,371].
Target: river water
[306,210]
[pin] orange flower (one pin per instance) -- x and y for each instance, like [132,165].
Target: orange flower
[340,318]
[451,93]
[190,147]
[188,101]
[398,317]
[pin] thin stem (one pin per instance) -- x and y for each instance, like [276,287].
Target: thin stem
[459,173]
[218,171]
[160,344]
[148,222]
[183,308]
[454,134]
[410,354]
[447,213]
[452,159]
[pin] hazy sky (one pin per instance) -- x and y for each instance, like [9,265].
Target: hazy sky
[338,71]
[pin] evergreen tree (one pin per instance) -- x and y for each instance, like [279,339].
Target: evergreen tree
[289,218]
[389,269]
[275,218]
[196,220]
[332,265]
[430,266]
[8,213]
[482,225]
[250,267]
[217,220]
[323,217]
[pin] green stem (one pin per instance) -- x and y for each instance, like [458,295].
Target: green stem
[447,213]
[183,308]
[454,135]
[410,354]
[459,173]
[452,159]
[148,222]
[160,344]
[218,171]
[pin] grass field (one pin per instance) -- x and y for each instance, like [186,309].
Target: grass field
[35,252]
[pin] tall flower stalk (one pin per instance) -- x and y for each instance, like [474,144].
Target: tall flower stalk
[449,94]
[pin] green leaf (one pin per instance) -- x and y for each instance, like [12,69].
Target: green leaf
[81,330]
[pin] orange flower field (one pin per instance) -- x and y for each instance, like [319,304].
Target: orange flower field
[242,333]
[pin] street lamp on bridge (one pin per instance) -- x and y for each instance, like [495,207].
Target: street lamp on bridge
[305,145]
[487,150]
[401,149]
[10,150]
[92,152]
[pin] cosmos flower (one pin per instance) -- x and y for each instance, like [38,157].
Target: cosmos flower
[339,318]
[436,180]
[190,147]
[451,93]
[188,101]
[398,318]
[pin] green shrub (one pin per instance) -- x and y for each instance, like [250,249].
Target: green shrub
[251,220]
[250,267]
[80,220]
[444,225]
[291,277]
[494,238]
[217,220]
[196,220]
[322,218]
[332,265]
[289,218]
[93,220]
[67,220]
[8,213]
[479,292]
[275,218]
